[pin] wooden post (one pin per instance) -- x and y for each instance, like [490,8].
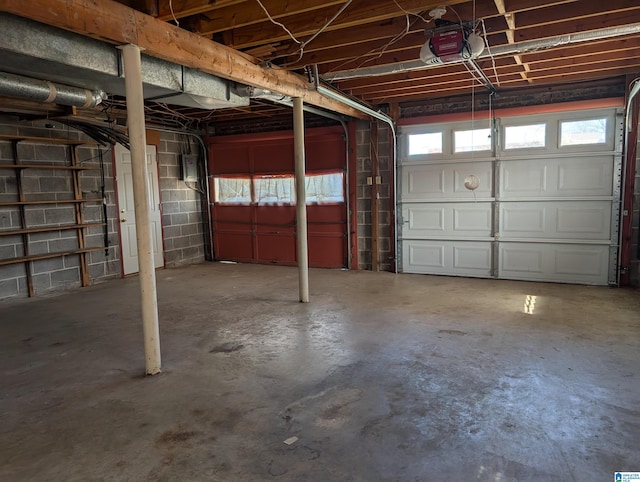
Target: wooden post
[140,176]
[301,199]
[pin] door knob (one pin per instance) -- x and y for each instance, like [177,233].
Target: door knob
[123,220]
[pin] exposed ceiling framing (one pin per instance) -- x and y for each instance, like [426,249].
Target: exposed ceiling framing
[236,40]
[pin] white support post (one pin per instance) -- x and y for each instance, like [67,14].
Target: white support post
[140,176]
[301,204]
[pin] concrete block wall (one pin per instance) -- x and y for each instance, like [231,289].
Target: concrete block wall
[364,199]
[182,209]
[182,204]
[44,184]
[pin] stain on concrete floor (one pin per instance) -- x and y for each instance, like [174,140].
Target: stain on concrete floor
[381,377]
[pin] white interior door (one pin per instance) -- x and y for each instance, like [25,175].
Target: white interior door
[127,212]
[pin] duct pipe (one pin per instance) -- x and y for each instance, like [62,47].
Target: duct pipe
[140,175]
[20,87]
[387,120]
[301,196]
[500,50]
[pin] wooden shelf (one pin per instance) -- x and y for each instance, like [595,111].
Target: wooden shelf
[47,140]
[50,201]
[49,229]
[36,257]
[78,203]
[48,166]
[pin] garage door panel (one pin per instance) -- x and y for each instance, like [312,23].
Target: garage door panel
[276,247]
[234,246]
[435,181]
[447,219]
[554,262]
[578,220]
[585,176]
[521,177]
[559,177]
[472,219]
[466,258]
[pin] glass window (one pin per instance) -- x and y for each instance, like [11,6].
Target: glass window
[232,190]
[472,140]
[524,137]
[274,189]
[587,131]
[325,188]
[425,143]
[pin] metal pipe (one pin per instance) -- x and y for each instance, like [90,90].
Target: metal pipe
[500,50]
[140,176]
[301,197]
[20,87]
[389,121]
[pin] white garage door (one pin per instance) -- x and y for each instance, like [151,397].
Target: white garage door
[545,207]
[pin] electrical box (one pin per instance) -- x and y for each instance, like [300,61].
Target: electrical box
[189,167]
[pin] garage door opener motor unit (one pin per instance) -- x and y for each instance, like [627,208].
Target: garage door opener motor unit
[450,41]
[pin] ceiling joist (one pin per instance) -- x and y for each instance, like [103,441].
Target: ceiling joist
[115,23]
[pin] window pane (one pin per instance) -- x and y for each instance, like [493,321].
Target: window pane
[523,137]
[590,131]
[274,190]
[232,190]
[473,140]
[325,188]
[425,143]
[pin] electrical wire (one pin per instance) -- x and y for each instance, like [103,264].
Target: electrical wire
[411,13]
[308,41]
[493,60]
[275,22]
[173,14]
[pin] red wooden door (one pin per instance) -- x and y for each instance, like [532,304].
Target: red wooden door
[253,212]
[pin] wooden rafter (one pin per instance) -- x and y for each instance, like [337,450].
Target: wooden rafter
[116,23]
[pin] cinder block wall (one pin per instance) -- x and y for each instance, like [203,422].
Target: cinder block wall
[182,204]
[40,184]
[182,211]
[364,198]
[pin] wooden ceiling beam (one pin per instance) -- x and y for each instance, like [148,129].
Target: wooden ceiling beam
[583,68]
[429,82]
[391,58]
[426,76]
[591,75]
[581,25]
[427,91]
[251,13]
[115,23]
[563,13]
[369,49]
[358,13]
[186,8]
[595,53]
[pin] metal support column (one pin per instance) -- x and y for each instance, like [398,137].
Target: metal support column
[301,204]
[140,175]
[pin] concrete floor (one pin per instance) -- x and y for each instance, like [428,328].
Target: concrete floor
[381,377]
